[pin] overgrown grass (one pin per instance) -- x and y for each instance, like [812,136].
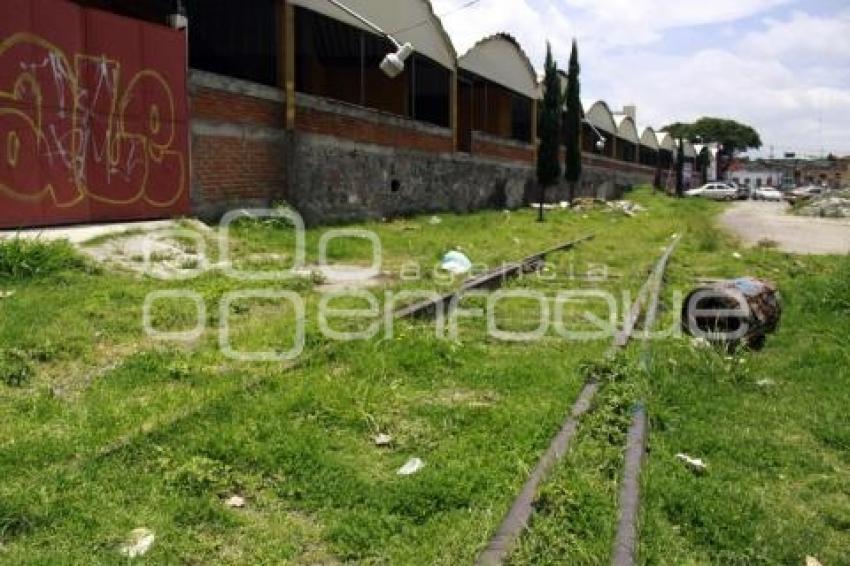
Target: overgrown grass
[23,259]
[111,431]
[769,424]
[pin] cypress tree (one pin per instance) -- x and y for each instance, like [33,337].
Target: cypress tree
[548,166]
[573,123]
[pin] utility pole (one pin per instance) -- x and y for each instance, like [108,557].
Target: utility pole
[680,169]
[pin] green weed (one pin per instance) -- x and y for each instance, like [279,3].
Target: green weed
[22,259]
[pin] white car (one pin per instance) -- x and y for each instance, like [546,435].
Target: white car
[714,191]
[767,193]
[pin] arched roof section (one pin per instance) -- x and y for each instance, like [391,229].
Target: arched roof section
[411,21]
[500,58]
[599,114]
[666,142]
[649,139]
[626,129]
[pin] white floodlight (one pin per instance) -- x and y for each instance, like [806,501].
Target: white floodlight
[393,63]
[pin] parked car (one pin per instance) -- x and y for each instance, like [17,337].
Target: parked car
[714,191]
[804,193]
[743,191]
[767,193]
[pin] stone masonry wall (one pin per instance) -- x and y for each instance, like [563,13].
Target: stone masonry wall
[335,180]
[346,163]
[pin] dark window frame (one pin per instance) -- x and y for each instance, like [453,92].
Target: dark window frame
[236,39]
[320,39]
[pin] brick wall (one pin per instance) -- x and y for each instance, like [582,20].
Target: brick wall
[617,165]
[221,106]
[238,144]
[321,116]
[486,145]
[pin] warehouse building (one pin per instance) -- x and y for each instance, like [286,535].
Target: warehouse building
[246,104]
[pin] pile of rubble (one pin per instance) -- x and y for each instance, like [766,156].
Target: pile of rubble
[586,204]
[832,205]
[627,207]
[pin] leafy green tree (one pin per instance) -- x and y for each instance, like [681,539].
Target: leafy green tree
[731,135]
[548,166]
[572,123]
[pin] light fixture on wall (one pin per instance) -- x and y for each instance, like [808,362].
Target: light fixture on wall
[393,63]
[600,143]
[178,19]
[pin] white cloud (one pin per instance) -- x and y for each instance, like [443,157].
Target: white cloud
[802,36]
[787,76]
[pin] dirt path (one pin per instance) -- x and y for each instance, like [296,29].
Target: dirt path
[756,221]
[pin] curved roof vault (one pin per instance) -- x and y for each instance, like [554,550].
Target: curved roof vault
[501,59]
[666,142]
[599,114]
[626,129]
[406,20]
[649,139]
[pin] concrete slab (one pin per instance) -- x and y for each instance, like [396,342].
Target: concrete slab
[758,221]
[85,232]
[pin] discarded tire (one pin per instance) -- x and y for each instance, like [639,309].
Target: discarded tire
[733,312]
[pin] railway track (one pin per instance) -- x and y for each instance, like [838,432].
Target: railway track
[491,280]
[518,517]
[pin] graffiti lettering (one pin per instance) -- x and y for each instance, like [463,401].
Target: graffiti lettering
[69,133]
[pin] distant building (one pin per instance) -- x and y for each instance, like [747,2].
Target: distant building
[756,174]
[790,173]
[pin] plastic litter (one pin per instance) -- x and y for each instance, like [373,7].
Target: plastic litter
[456,263]
[412,466]
[435,220]
[694,464]
[235,502]
[383,440]
[6,294]
[139,543]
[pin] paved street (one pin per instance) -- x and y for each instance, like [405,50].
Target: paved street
[755,221]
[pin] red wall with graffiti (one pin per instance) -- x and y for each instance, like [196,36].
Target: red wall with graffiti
[93,116]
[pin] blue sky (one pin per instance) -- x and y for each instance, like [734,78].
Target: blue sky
[782,66]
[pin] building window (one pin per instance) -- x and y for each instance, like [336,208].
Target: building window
[431,84]
[498,111]
[237,39]
[626,151]
[521,119]
[335,60]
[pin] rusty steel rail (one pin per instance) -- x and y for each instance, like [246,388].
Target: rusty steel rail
[651,290]
[517,518]
[626,540]
[519,515]
[625,543]
[493,279]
